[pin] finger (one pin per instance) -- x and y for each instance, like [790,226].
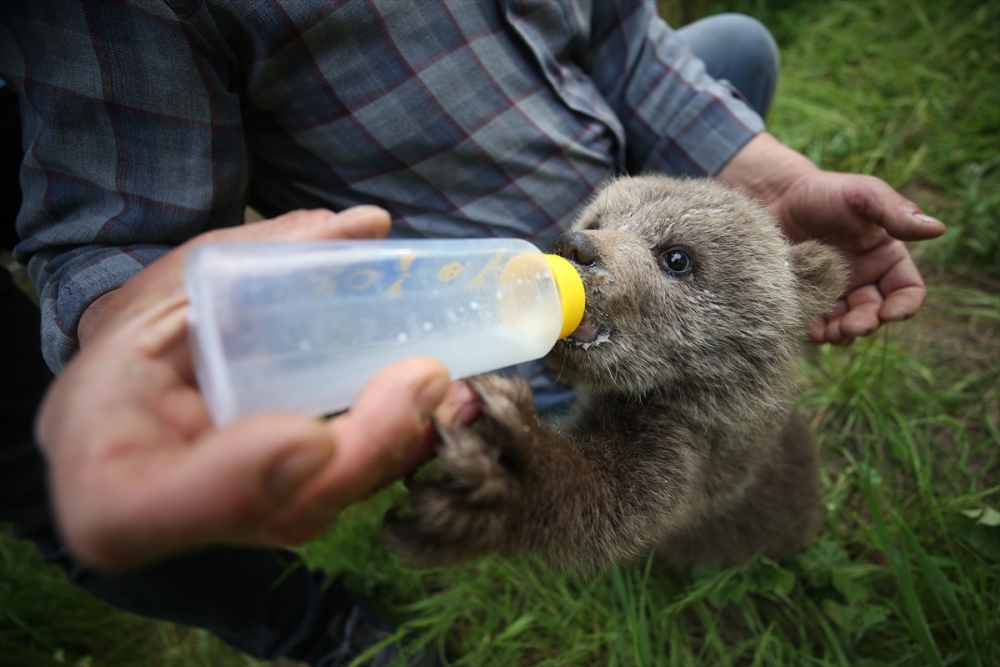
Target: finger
[833,334]
[363,222]
[902,304]
[156,335]
[379,433]
[862,317]
[381,438]
[359,222]
[816,329]
[460,406]
[873,199]
[259,465]
[860,321]
[903,289]
[160,333]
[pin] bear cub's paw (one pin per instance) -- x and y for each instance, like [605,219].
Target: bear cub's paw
[472,507]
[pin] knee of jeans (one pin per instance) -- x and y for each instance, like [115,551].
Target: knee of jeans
[761,43]
[740,49]
[748,40]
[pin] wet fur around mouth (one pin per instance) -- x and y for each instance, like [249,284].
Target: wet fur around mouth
[682,439]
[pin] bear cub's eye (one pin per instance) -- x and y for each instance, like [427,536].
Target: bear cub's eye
[677,262]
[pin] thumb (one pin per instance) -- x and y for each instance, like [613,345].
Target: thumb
[382,437]
[873,199]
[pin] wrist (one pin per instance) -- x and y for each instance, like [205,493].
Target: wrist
[765,168]
[768,170]
[93,317]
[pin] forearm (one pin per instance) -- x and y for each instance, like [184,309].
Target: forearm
[766,169]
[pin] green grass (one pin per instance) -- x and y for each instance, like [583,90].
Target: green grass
[905,90]
[904,572]
[909,92]
[46,621]
[907,568]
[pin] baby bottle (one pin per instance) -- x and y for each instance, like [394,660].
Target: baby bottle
[303,326]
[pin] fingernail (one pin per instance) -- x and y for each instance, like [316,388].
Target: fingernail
[432,392]
[291,472]
[894,314]
[461,405]
[926,219]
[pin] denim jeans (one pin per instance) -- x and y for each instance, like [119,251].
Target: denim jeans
[740,50]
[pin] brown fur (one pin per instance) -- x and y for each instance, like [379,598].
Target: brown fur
[683,439]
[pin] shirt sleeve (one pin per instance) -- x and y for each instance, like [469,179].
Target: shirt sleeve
[676,118]
[133,144]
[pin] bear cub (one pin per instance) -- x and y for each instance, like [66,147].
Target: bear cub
[682,438]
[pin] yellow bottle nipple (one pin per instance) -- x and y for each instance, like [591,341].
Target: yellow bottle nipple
[571,293]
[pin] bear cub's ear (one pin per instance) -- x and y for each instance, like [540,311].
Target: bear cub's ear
[822,276]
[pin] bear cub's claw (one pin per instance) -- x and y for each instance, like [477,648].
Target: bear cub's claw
[470,508]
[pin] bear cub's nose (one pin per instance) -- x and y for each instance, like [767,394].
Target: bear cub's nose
[577,247]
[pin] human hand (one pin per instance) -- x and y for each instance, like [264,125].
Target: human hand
[862,216]
[868,222]
[138,471]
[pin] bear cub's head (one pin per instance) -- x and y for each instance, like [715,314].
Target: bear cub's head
[692,291]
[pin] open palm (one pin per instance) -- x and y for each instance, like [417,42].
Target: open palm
[868,222]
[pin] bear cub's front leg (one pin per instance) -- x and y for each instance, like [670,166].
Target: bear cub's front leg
[487,481]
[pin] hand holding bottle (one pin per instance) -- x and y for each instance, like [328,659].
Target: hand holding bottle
[138,471]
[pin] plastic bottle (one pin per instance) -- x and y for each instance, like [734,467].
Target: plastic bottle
[303,326]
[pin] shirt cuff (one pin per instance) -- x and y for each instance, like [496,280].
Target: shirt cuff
[69,283]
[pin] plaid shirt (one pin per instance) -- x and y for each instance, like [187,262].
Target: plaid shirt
[146,123]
